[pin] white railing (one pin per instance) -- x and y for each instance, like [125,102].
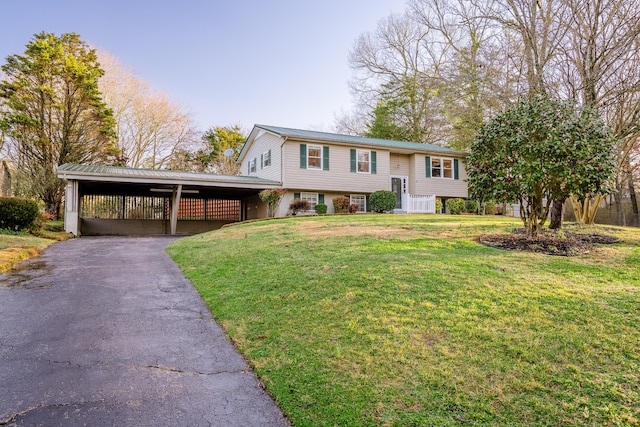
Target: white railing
[421,204]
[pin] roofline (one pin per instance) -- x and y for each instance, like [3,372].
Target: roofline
[202,180]
[243,152]
[371,142]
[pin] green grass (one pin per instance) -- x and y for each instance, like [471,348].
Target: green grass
[407,320]
[19,246]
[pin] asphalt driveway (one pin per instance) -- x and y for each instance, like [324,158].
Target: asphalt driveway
[107,331]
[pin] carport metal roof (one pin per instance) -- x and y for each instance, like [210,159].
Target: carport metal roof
[97,173]
[113,180]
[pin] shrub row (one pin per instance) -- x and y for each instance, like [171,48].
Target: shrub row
[18,214]
[458,206]
[385,201]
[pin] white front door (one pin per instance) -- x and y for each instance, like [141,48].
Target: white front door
[399,188]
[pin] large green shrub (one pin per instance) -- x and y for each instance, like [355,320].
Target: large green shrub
[18,214]
[341,204]
[382,201]
[321,208]
[455,206]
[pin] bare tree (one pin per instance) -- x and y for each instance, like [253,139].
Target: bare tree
[603,70]
[474,82]
[151,129]
[397,65]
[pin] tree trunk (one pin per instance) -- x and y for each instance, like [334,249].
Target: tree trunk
[586,209]
[634,200]
[557,211]
[617,197]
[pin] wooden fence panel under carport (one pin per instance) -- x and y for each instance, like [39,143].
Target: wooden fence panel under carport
[127,215]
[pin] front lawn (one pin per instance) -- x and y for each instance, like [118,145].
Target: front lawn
[408,320]
[19,246]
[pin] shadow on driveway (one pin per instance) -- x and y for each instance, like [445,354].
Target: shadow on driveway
[108,331]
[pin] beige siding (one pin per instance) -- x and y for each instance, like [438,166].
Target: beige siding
[400,164]
[339,176]
[262,144]
[441,187]
[283,209]
[412,175]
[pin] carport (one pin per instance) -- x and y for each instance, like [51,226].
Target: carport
[108,200]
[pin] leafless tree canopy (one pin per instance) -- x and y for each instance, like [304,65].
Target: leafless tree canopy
[151,128]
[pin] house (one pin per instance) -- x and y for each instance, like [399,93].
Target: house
[318,166]
[315,166]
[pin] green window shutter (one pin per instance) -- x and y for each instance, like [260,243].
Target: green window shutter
[325,158]
[303,156]
[354,164]
[366,202]
[249,167]
[455,169]
[261,160]
[374,168]
[269,157]
[428,165]
[296,196]
[321,198]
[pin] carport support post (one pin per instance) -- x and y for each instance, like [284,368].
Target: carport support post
[175,203]
[72,208]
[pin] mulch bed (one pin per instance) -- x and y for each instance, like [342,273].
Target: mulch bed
[549,242]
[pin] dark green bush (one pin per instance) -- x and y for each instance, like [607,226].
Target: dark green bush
[18,214]
[341,204]
[382,201]
[299,205]
[455,206]
[321,208]
[471,206]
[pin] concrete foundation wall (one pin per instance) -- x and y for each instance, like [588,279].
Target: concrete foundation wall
[142,227]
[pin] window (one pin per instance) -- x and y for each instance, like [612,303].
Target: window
[252,166]
[363,161]
[441,167]
[360,200]
[266,159]
[312,198]
[314,157]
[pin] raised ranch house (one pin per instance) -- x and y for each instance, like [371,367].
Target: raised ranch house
[318,166]
[314,166]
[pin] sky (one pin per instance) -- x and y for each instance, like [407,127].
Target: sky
[245,62]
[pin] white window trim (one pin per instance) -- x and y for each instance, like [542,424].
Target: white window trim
[358,151]
[319,147]
[364,198]
[312,206]
[265,160]
[252,166]
[442,168]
